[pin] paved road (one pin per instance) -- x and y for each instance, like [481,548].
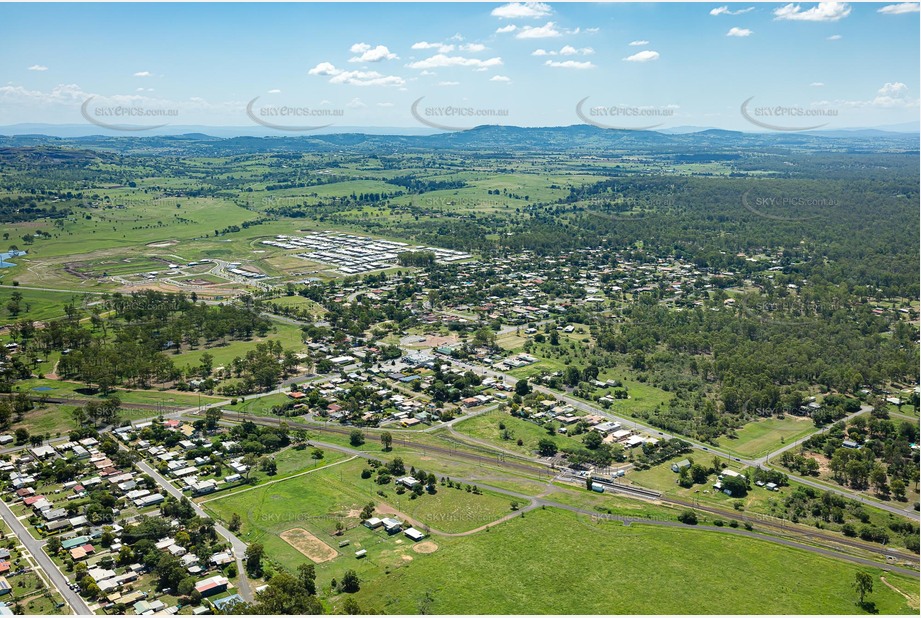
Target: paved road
[239,547]
[36,548]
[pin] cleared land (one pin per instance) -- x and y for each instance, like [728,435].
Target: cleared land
[309,545]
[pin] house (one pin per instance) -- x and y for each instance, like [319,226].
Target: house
[226,602]
[771,486]
[361,553]
[598,487]
[149,607]
[392,526]
[149,500]
[71,543]
[212,585]
[221,558]
[850,444]
[5,587]
[373,523]
[414,534]
[408,482]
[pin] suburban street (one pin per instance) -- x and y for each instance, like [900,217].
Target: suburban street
[239,547]
[36,548]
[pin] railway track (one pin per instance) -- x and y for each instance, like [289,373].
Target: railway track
[510,462]
[501,460]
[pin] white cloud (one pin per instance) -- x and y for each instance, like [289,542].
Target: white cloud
[385,104]
[834,37]
[592,30]
[449,83]
[62,93]
[522,10]
[566,50]
[274,91]
[355,78]
[724,10]
[371,54]
[356,103]
[472,47]
[500,78]
[440,60]
[38,67]
[739,32]
[143,74]
[646,55]
[817,84]
[569,64]
[443,48]
[640,43]
[900,9]
[546,31]
[508,28]
[823,11]
[428,73]
[891,95]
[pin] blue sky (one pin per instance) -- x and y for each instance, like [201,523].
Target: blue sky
[531,63]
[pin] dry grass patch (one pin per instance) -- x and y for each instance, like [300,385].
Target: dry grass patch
[309,545]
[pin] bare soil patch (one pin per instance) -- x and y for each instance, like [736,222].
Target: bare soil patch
[425,547]
[309,545]
[163,243]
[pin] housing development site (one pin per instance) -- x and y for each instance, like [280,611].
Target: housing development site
[357,254]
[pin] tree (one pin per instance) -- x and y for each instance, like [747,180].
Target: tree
[592,440]
[522,387]
[349,582]
[351,606]
[366,513]
[213,417]
[898,489]
[284,595]
[235,522]
[688,517]
[546,447]
[356,437]
[386,440]
[252,559]
[307,576]
[863,584]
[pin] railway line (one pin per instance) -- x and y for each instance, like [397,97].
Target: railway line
[518,464]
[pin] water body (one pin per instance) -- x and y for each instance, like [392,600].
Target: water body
[6,256]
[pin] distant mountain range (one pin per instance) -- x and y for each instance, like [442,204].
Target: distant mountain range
[585,140]
[85,130]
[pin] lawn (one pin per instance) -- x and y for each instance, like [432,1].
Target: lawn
[486,427]
[767,435]
[289,335]
[559,562]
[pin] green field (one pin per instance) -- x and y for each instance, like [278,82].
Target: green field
[288,334]
[761,437]
[552,561]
